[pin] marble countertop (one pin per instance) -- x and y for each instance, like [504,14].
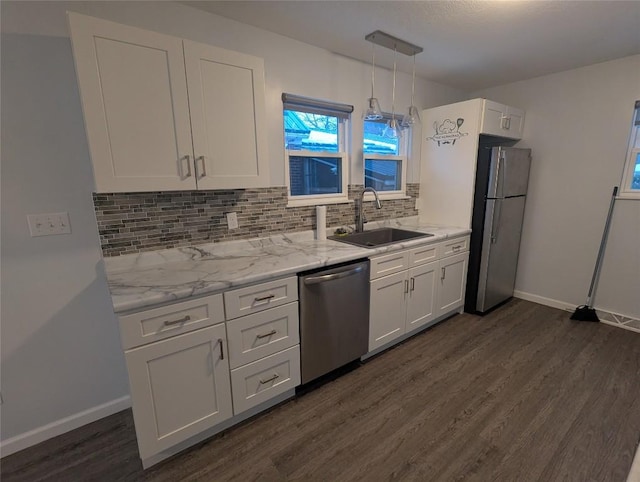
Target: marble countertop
[151,278]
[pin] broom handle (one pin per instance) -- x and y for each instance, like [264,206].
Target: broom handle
[603,243]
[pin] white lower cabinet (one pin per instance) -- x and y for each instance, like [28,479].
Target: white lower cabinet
[194,370]
[423,289]
[400,303]
[261,380]
[452,283]
[421,306]
[387,309]
[179,387]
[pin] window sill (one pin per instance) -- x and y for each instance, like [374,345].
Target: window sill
[294,203]
[368,196]
[628,196]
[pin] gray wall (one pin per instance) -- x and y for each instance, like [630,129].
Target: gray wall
[577,125]
[60,345]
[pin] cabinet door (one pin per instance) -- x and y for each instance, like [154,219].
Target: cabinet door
[452,283]
[421,303]
[388,309]
[494,119]
[515,122]
[134,96]
[228,120]
[179,387]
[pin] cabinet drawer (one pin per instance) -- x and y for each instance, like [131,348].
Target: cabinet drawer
[454,246]
[160,323]
[423,254]
[261,380]
[261,334]
[245,301]
[389,263]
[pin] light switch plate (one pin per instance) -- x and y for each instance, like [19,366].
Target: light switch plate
[49,224]
[232,220]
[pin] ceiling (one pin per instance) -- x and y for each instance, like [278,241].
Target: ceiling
[469,44]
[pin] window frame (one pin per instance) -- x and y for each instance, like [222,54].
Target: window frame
[343,114]
[318,199]
[632,154]
[404,147]
[395,194]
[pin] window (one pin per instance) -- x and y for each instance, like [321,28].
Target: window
[631,174]
[315,150]
[385,165]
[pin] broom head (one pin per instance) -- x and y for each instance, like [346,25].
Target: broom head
[585,313]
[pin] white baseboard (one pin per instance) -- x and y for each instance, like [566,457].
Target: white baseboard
[561,305]
[606,316]
[53,429]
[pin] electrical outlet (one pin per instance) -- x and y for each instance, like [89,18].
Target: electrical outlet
[49,224]
[232,220]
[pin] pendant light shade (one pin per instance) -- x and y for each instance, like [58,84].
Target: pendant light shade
[412,117]
[393,126]
[373,111]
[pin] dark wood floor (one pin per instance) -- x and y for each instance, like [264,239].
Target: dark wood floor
[523,394]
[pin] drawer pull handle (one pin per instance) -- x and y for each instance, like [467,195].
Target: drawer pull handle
[444,273]
[221,348]
[272,332]
[456,247]
[177,322]
[275,375]
[265,298]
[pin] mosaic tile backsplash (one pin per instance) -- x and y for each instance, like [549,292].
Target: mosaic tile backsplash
[134,222]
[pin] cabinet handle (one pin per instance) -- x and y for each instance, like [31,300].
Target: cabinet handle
[272,332]
[188,159]
[413,284]
[270,379]
[406,286]
[456,248]
[177,322]
[508,123]
[503,121]
[203,173]
[444,273]
[221,348]
[264,298]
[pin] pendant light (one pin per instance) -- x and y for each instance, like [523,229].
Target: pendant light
[412,116]
[393,126]
[373,111]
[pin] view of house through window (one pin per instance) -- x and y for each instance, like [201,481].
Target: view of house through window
[384,158]
[314,137]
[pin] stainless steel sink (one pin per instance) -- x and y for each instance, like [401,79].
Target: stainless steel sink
[379,237]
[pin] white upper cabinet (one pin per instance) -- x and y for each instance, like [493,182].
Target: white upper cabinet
[166,114]
[501,120]
[226,97]
[134,97]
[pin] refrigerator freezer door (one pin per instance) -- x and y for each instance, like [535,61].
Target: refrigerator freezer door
[500,249]
[509,172]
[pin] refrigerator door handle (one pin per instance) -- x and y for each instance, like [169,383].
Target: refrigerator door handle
[495,227]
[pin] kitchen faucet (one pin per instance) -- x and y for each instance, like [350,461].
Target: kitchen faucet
[360,220]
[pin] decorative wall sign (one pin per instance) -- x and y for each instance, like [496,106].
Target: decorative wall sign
[448,132]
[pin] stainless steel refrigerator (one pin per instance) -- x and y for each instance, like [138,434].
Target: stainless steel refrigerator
[502,176]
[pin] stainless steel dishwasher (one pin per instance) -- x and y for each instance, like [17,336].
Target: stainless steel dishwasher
[334,317]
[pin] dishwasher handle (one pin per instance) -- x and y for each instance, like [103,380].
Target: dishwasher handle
[312,280]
